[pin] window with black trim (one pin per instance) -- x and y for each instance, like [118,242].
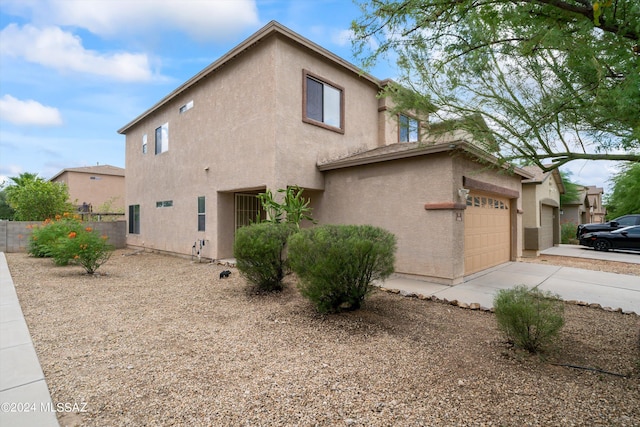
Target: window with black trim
[164,204]
[201,213]
[323,103]
[162,138]
[134,219]
[409,128]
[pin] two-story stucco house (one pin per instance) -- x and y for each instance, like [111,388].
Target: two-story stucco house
[93,187]
[279,110]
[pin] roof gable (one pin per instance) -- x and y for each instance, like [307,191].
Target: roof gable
[253,42]
[95,170]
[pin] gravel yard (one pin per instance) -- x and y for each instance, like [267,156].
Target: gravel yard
[160,340]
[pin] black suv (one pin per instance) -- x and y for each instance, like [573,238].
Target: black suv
[623,221]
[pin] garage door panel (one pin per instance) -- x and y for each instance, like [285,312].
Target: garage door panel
[487,232]
[546,227]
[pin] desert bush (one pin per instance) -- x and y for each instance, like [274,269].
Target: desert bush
[259,250]
[84,247]
[44,236]
[336,264]
[568,233]
[530,318]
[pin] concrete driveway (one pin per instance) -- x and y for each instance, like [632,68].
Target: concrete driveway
[607,289]
[585,252]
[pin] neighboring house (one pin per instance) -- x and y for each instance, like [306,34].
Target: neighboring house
[541,210]
[576,211]
[597,211]
[279,110]
[92,187]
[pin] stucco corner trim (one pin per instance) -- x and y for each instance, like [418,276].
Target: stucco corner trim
[444,206]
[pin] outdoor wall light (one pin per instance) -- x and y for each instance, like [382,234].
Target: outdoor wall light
[463,193]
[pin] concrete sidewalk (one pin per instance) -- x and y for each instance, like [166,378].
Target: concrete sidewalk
[24,397]
[607,289]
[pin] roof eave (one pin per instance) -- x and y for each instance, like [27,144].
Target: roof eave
[460,145]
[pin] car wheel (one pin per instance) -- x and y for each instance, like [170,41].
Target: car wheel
[601,245]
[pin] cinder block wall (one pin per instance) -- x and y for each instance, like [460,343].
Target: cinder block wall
[14,235]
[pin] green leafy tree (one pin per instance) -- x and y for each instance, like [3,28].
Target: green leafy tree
[35,199]
[571,189]
[625,197]
[555,80]
[6,211]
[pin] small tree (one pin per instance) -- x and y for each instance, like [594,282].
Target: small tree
[293,209]
[44,237]
[84,247]
[259,250]
[624,198]
[530,318]
[37,200]
[336,264]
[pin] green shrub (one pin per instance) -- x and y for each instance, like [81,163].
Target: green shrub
[530,318]
[84,247]
[568,233]
[44,236]
[336,264]
[259,252]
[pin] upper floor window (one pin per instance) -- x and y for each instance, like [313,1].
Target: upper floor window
[162,138]
[144,144]
[408,128]
[186,107]
[323,103]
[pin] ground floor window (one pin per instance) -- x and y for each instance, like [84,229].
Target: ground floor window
[201,213]
[134,219]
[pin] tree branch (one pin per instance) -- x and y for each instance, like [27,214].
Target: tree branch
[587,12]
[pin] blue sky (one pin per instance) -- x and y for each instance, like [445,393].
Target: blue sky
[72,72]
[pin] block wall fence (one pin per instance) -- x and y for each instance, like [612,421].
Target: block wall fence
[14,235]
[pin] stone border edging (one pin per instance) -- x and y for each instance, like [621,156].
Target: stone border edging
[477,307]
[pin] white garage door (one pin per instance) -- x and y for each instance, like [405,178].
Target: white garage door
[487,232]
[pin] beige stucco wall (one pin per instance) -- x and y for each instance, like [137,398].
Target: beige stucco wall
[393,194]
[535,195]
[244,133]
[103,189]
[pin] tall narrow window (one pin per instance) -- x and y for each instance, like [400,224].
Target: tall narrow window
[408,128]
[134,219]
[201,213]
[323,103]
[162,138]
[144,144]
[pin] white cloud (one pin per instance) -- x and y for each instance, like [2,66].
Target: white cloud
[63,51]
[28,112]
[201,19]
[342,37]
